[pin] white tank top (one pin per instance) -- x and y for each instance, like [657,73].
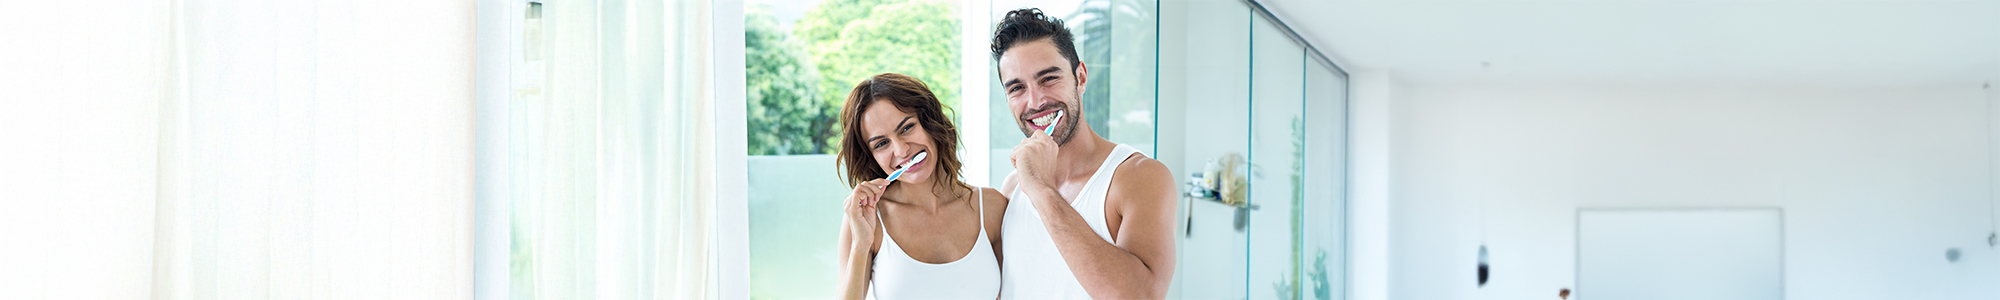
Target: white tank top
[1034,270]
[974,276]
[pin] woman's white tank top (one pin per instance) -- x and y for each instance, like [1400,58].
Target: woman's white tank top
[975,276]
[1034,269]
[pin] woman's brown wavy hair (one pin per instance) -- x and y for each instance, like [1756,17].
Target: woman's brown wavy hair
[911,96]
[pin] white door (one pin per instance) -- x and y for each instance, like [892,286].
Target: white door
[1710,254]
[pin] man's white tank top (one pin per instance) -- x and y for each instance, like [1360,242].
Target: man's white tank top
[1033,269]
[974,276]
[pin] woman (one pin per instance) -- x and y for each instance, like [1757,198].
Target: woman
[926,235]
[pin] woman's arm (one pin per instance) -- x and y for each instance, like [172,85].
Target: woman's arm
[995,209]
[860,229]
[856,260]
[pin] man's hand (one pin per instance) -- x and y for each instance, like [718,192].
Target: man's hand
[1035,161]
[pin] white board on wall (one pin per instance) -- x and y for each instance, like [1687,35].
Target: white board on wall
[1713,254]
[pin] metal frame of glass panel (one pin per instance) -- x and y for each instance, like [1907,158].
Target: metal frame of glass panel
[1311,51]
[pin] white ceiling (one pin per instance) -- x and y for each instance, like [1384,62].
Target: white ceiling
[1678,42]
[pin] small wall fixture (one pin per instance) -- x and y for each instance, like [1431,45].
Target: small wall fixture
[1483,269]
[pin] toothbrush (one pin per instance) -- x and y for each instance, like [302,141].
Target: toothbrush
[1051,130]
[906,166]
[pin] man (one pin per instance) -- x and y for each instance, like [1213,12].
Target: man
[1087,218]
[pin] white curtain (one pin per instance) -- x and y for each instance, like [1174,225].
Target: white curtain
[79,87]
[608,147]
[234,149]
[316,150]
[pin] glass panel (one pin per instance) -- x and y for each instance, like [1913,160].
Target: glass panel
[1135,41]
[1217,113]
[1090,23]
[1277,151]
[1326,177]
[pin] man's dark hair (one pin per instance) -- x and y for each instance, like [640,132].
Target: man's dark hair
[1029,24]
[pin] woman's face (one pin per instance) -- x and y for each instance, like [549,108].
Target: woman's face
[893,137]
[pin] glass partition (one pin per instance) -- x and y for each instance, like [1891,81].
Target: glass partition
[1277,157]
[1214,248]
[1250,90]
[1324,244]
[1135,37]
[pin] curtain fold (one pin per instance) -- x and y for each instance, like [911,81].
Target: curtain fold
[316,150]
[608,152]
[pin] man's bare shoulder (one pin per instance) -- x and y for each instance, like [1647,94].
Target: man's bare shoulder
[1145,179]
[1007,185]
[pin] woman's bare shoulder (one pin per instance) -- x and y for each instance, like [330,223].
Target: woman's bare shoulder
[995,210]
[993,196]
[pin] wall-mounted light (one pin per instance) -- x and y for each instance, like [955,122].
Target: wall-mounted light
[1483,269]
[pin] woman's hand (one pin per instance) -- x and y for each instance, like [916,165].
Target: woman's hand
[861,212]
[857,254]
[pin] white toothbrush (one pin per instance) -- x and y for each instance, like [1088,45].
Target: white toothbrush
[906,166]
[1051,130]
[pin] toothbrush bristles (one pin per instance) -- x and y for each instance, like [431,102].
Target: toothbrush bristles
[915,160]
[1051,130]
[906,165]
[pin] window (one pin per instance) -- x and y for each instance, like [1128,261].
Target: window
[802,57]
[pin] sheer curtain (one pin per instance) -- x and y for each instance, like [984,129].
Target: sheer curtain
[79,92]
[608,148]
[316,149]
[233,149]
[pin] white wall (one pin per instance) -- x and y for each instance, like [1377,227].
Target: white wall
[1875,182]
[1369,153]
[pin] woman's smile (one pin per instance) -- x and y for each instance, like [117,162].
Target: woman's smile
[907,161]
[910,162]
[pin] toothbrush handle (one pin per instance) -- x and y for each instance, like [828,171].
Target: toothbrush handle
[1051,131]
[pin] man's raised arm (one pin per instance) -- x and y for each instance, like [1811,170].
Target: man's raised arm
[1139,263]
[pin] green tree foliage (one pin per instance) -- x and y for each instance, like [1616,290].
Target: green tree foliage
[786,113]
[854,39]
[797,80]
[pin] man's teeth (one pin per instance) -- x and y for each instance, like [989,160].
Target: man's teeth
[1044,119]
